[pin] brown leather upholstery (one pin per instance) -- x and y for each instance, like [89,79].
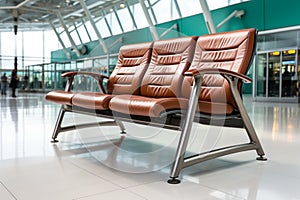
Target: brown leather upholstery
[125,79]
[92,100]
[128,73]
[231,51]
[161,85]
[60,97]
[145,106]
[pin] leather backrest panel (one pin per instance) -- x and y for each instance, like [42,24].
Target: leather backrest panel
[132,63]
[170,59]
[232,50]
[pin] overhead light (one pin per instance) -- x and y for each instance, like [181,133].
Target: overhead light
[57,6]
[122,5]
[36,20]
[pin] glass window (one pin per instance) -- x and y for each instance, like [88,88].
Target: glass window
[74,36]
[65,40]
[189,9]
[126,20]
[139,16]
[7,50]
[33,48]
[217,4]
[50,44]
[91,30]
[113,23]
[83,34]
[102,27]
[261,75]
[162,10]
[100,66]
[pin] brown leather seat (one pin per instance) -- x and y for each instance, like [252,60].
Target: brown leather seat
[125,79]
[161,85]
[60,97]
[232,51]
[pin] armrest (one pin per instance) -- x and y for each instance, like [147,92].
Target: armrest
[196,72]
[94,75]
[98,77]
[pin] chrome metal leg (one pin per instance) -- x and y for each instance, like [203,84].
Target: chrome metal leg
[245,117]
[58,123]
[122,127]
[185,133]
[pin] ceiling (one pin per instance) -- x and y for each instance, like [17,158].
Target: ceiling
[30,15]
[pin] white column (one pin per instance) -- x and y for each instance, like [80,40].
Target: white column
[68,34]
[88,14]
[207,17]
[151,26]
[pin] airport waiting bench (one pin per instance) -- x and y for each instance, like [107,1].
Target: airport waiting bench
[172,84]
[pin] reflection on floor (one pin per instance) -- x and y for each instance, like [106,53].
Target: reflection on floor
[97,163]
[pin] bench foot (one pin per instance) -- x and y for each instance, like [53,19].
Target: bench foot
[261,158]
[173,181]
[54,141]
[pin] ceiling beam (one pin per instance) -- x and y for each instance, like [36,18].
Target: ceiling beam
[14,7]
[89,16]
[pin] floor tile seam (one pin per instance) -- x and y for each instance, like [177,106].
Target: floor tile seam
[120,186]
[215,189]
[8,190]
[101,177]
[99,193]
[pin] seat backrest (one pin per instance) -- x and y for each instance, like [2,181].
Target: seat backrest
[170,59]
[230,50]
[132,63]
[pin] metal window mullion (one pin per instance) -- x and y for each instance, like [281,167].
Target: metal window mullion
[118,19]
[177,8]
[77,33]
[131,15]
[149,20]
[88,14]
[86,30]
[68,34]
[60,40]
[107,24]
[152,11]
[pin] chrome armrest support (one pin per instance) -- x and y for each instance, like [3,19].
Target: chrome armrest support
[98,77]
[220,71]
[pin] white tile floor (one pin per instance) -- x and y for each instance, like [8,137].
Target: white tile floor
[95,163]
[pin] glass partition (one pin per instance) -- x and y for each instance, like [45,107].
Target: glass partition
[261,73]
[274,70]
[289,77]
[277,75]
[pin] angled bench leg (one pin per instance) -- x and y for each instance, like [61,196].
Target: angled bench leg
[58,123]
[178,164]
[245,117]
[122,127]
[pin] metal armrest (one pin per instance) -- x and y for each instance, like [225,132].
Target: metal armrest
[197,72]
[71,75]
[94,75]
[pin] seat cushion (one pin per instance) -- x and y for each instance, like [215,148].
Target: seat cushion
[60,97]
[145,106]
[92,100]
